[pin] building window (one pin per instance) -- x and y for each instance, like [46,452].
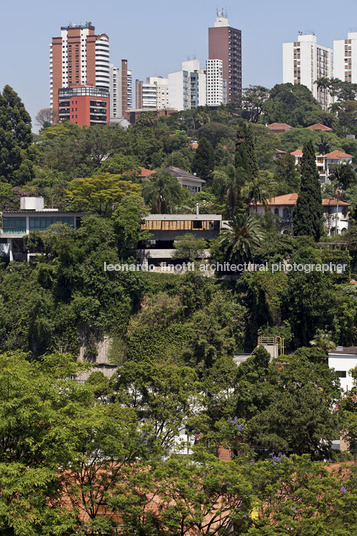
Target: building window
[341,373]
[38,223]
[14,225]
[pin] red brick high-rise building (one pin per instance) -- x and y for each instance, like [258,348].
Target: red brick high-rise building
[225,43]
[78,58]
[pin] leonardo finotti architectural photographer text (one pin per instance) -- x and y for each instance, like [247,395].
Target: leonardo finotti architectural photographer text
[226,267]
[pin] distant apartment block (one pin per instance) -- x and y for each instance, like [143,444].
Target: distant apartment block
[146,95]
[216,85]
[162,91]
[120,90]
[225,43]
[152,94]
[187,88]
[115,92]
[345,58]
[84,105]
[304,61]
[129,85]
[78,57]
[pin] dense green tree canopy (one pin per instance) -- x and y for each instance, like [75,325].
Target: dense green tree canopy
[294,105]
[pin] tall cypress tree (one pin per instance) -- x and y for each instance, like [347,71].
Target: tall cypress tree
[245,157]
[203,162]
[307,214]
[15,139]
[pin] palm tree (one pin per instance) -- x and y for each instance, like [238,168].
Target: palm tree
[323,341]
[323,145]
[244,232]
[162,192]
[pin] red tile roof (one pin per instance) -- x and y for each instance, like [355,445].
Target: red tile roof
[337,155]
[279,126]
[333,202]
[318,126]
[298,152]
[291,199]
[146,172]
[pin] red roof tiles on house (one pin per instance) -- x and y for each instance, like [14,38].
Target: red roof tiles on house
[319,126]
[337,155]
[279,126]
[287,199]
[146,172]
[298,152]
[291,199]
[333,202]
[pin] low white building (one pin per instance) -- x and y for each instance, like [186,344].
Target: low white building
[335,212]
[342,360]
[187,180]
[326,163]
[32,216]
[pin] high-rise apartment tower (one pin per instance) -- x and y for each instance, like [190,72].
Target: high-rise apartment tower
[225,43]
[304,61]
[345,58]
[78,58]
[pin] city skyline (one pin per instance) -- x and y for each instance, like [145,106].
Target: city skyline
[156,38]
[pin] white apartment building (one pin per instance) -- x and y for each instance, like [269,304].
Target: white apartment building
[345,58]
[121,90]
[149,96]
[304,61]
[115,88]
[162,91]
[152,94]
[129,87]
[216,85]
[187,88]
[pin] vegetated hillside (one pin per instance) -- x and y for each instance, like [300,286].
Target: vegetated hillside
[89,457]
[69,301]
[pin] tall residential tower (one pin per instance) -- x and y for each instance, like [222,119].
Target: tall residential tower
[345,58]
[304,61]
[225,43]
[78,58]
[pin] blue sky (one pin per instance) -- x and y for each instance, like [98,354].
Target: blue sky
[155,36]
